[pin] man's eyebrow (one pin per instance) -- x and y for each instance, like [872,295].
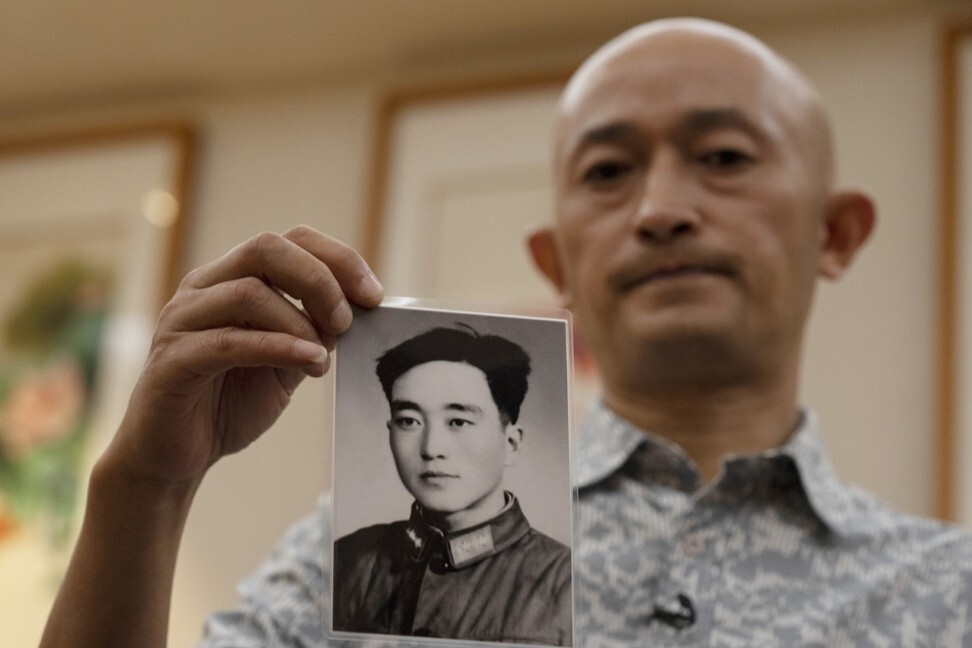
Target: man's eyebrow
[610,133]
[700,121]
[464,407]
[399,405]
[696,121]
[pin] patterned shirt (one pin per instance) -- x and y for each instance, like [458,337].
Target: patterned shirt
[776,551]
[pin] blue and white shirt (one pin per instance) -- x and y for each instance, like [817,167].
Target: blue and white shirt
[776,551]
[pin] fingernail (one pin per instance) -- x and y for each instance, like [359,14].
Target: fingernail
[310,351]
[341,317]
[369,288]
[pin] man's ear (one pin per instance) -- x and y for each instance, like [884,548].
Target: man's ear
[850,220]
[543,248]
[513,437]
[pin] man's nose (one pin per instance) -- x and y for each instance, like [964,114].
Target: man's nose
[434,440]
[665,211]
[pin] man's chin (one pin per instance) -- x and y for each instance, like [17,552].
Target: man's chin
[679,328]
[661,345]
[438,506]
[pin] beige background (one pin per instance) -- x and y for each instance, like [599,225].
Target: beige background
[273,155]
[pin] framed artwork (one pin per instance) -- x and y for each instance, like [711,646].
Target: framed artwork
[955,336]
[461,164]
[91,233]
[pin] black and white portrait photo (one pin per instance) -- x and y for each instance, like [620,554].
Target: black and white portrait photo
[451,473]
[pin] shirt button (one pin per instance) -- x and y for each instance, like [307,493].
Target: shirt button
[693,544]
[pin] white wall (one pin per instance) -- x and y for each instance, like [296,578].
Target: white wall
[272,160]
[870,367]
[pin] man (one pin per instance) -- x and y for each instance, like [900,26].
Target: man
[466,564]
[695,210]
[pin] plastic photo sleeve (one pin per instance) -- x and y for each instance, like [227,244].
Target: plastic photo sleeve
[451,493]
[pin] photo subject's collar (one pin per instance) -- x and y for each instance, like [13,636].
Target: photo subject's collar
[459,549]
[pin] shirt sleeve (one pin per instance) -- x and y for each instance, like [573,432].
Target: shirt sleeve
[286,603]
[282,604]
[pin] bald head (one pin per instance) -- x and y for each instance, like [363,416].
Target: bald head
[707,49]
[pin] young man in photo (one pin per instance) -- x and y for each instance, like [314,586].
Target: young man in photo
[466,564]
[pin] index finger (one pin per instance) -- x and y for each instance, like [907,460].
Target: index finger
[322,277]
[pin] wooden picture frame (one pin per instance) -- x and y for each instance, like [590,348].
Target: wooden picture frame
[92,232]
[954,430]
[388,121]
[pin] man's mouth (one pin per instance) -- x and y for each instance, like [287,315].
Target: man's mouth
[436,475]
[668,271]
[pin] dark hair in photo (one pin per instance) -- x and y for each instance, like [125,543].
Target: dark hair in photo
[505,363]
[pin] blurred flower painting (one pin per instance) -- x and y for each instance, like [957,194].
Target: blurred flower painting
[50,345]
[90,234]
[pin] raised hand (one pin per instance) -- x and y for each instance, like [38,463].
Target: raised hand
[230,349]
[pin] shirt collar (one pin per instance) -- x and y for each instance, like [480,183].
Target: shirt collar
[607,442]
[460,549]
[827,494]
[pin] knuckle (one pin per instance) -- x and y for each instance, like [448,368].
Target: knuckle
[161,351]
[267,345]
[191,279]
[345,255]
[166,315]
[169,315]
[300,325]
[261,246]
[161,339]
[221,341]
[323,283]
[299,233]
[337,252]
[250,293]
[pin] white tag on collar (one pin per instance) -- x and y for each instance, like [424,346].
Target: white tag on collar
[470,546]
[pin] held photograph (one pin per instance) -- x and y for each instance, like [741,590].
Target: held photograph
[452,485]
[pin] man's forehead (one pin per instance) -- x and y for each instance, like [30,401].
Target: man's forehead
[709,47]
[695,70]
[442,384]
[457,374]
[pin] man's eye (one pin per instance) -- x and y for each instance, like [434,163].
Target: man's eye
[406,422]
[725,158]
[459,423]
[607,172]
